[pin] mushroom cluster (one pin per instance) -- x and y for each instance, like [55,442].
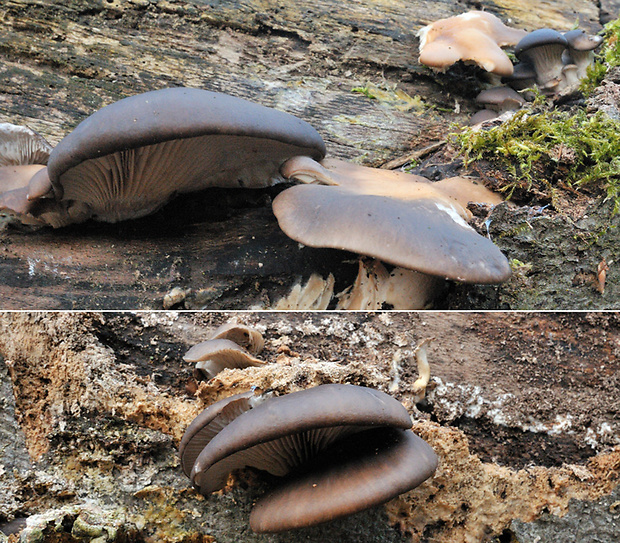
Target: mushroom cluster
[549,60]
[340,449]
[232,345]
[398,218]
[131,157]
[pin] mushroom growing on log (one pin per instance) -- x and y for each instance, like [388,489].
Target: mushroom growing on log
[398,218]
[346,447]
[215,355]
[475,36]
[129,158]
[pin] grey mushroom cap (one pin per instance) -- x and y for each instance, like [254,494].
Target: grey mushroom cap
[127,159]
[365,470]
[582,41]
[538,38]
[422,235]
[580,51]
[543,49]
[208,424]
[286,431]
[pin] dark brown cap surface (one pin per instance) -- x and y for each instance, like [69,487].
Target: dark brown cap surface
[271,436]
[364,470]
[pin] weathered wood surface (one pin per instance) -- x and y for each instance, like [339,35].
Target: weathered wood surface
[523,410]
[62,60]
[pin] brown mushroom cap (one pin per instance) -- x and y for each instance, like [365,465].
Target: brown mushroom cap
[214,355]
[366,469]
[408,224]
[242,335]
[127,159]
[500,98]
[208,424]
[475,36]
[284,432]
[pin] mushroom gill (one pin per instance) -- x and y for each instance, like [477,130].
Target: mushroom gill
[129,158]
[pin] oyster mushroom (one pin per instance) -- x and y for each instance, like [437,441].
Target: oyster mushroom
[215,355]
[20,145]
[350,446]
[580,51]
[543,50]
[500,99]
[242,335]
[475,36]
[129,158]
[397,218]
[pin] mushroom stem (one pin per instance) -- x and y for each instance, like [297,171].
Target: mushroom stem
[424,368]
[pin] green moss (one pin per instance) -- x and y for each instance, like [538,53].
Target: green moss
[546,149]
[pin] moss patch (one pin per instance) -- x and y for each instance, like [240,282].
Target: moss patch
[546,150]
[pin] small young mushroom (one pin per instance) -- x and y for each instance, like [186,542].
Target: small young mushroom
[129,158]
[580,51]
[482,116]
[242,335]
[543,50]
[475,36]
[350,447]
[398,218]
[500,99]
[215,355]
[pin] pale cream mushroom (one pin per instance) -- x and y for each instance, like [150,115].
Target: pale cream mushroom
[244,336]
[475,36]
[215,355]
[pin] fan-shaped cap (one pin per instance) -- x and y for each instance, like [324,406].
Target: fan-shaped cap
[539,38]
[214,355]
[365,470]
[208,424]
[128,158]
[473,36]
[582,41]
[406,223]
[283,432]
[242,335]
